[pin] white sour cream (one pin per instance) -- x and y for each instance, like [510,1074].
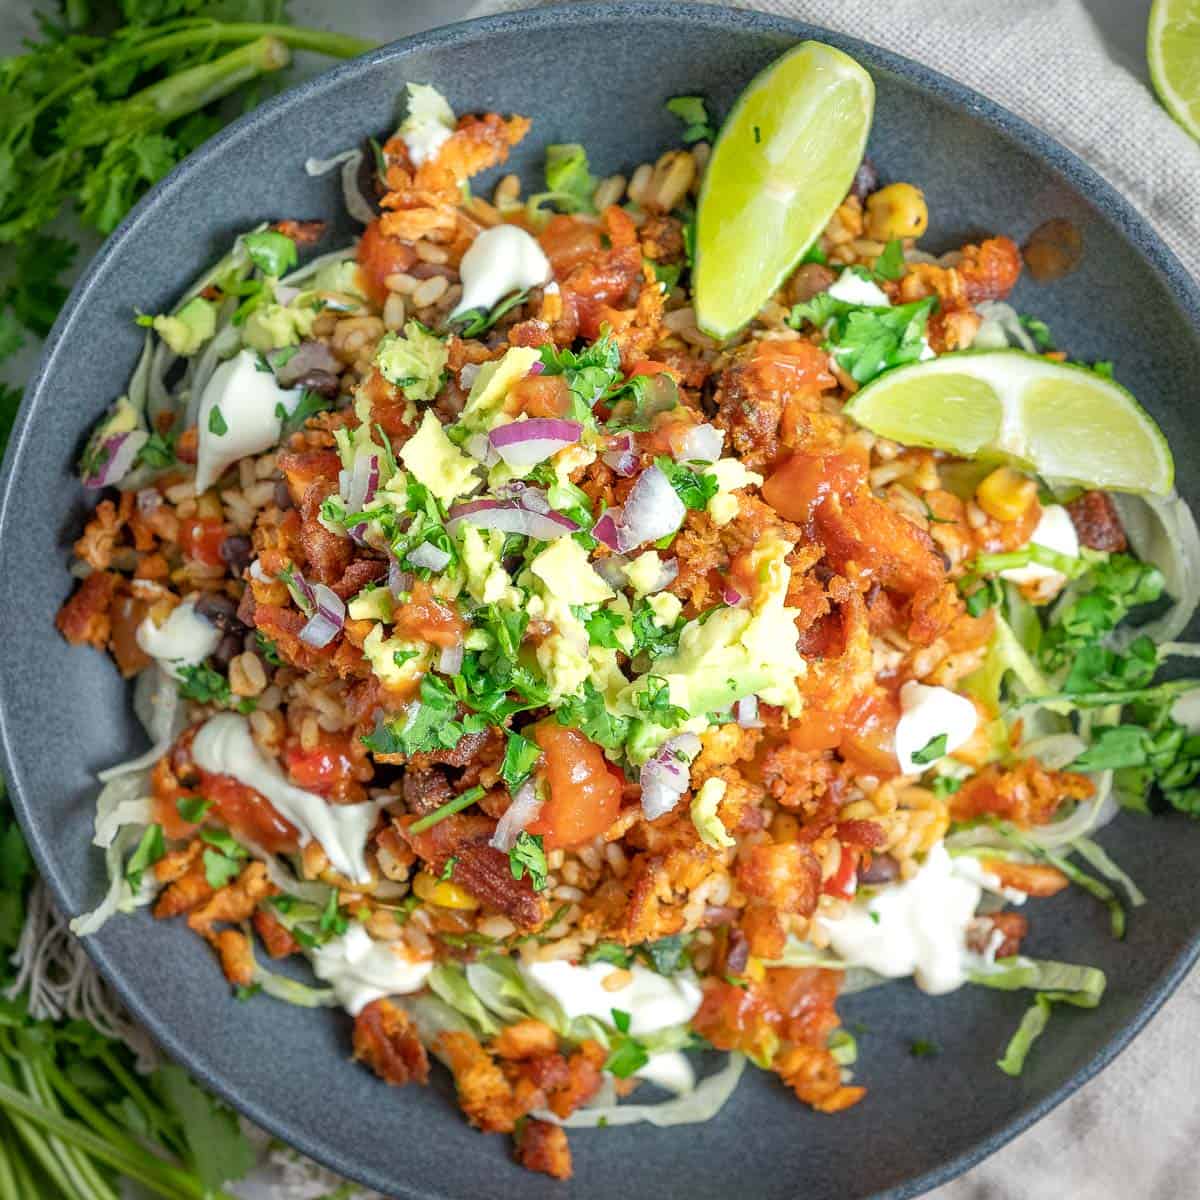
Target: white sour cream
[916,928]
[224,746]
[852,288]
[971,868]
[653,1001]
[927,713]
[361,970]
[500,261]
[184,639]
[1055,531]
[429,123]
[238,415]
[670,1071]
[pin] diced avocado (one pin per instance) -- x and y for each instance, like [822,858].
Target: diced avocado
[666,607]
[414,362]
[644,572]
[486,580]
[705,816]
[341,277]
[383,652]
[485,404]
[730,475]
[563,655]
[188,329]
[566,574]
[373,603]
[275,325]
[435,461]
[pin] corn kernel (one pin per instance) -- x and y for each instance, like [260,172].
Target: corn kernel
[896,211]
[755,969]
[1005,494]
[443,893]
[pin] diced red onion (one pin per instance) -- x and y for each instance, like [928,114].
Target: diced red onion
[731,595]
[620,455]
[450,660]
[702,443]
[652,510]
[511,517]
[327,621]
[301,591]
[119,451]
[522,812]
[466,375]
[429,557]
[257,572]
[358,534]
[359,485]
[605,529]
[611,568]
[746,712]
[667,775]
[537,368]
[526,443]
[149,501]
[310,355]
[480,448]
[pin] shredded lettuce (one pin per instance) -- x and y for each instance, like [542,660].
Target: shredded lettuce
[1032,1026]
[448,980]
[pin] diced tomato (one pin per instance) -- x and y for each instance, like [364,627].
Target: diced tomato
[243,810]
[584,796]
[815,731]
[539,396]
[380,256]
[869,740]
[425,618]
[799,485]
[201,538]
[323,767]
[568,242]
[648,366]
[841,882]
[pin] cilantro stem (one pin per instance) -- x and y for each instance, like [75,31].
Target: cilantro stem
[155,1114]
[28,1133]
[145,1168]
[465,800]
[8,1177]
[992,564]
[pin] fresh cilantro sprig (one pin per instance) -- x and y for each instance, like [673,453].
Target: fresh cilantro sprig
[588,373]
[692,487]
[693,112]
[475,321]
[527,857]
[520,755]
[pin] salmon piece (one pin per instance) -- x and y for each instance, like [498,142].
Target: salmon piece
[85,619]
[541,1146]
[784,875]
[385,1038]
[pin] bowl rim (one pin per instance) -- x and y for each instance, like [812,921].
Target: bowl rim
[1082,177]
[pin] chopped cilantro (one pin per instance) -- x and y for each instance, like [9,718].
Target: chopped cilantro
[461,801]
[654,700]
[588,373]
[245,992]
[203,684]
[527,856]
[220,869]
[626,1057]
[693,488]
[569,182]
[479,320]
[273,253]
[602,626]
[667,955]
[890,264]
[216,422]
[698,124]
[667,273]
[429,723]
[448,870]
[309,404]
[159,452]
[620,1020]
[149,850]
[193,809]
[649,637]
[947,785]
[1037,329]
[609,952]
[520,754]
[922,1048]
[934,749]
[267,648]
[333,920]
[588,713]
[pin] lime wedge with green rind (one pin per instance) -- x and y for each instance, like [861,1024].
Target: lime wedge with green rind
[1061,421]
[1173,54]
[784,160]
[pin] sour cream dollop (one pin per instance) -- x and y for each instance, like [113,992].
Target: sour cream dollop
[927,713]
[239,415]
[361,969]
[184,639]
[916,928]
[225,746]
[500,261]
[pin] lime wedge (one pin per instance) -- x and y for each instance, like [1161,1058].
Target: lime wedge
[782,163]
[1173,52]
[1063,422]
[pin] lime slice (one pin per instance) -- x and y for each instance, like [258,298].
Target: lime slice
[782,163]
[1063,422]
[1173,52]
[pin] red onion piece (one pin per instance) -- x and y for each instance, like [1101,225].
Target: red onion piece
[118,451]
[522,812]
[429,557]
[327,621]
[399,580]
[702,443]
[611,568]
[480,448]
[537,368]
[450,660]
[358,534]
[605,529]
[652,510]
[310,355]
[667,775]
[621,455]
[510,517]
[526,443]
[731,595]
[746,712]
[149,501]
[359,485]
[301,591]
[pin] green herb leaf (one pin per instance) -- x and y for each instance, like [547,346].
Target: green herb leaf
[528,857]
[934,749]
[693,112]
[203,685]
[694,489]
[193,809]
[922,1048]
[149,850]
[217,1149]
[273,253]
[620,1020]
[609,952]
[216,422]
[520,754]
[890,264]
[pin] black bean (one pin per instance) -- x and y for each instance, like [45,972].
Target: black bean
[866,179]
[236,551]
[283,497]
[324,383]
[883,869]
[220,610]
[228,648]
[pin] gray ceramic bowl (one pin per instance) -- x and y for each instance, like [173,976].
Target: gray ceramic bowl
[597,74]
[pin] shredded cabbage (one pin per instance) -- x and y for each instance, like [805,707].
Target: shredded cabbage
[448,980]
[291,991]
[120,896]
[158,706]
[1001,327]
[350,161]
[692,1109]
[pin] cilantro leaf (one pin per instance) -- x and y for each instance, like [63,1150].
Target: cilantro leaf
[569,182]
[890,264]
[588,374]
[609,952]
[429,723]
[602,626]
[588,713]
[192,809]
[626,1057]
[272,252]
[309,405]
[216,421]
[667,955]
[693,488]
[934,749]
[693,112]
[528,857]
[217,1149]
[149,850]
[651,638]
[159,452]
[520,754]
[203,684]
[479,320]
